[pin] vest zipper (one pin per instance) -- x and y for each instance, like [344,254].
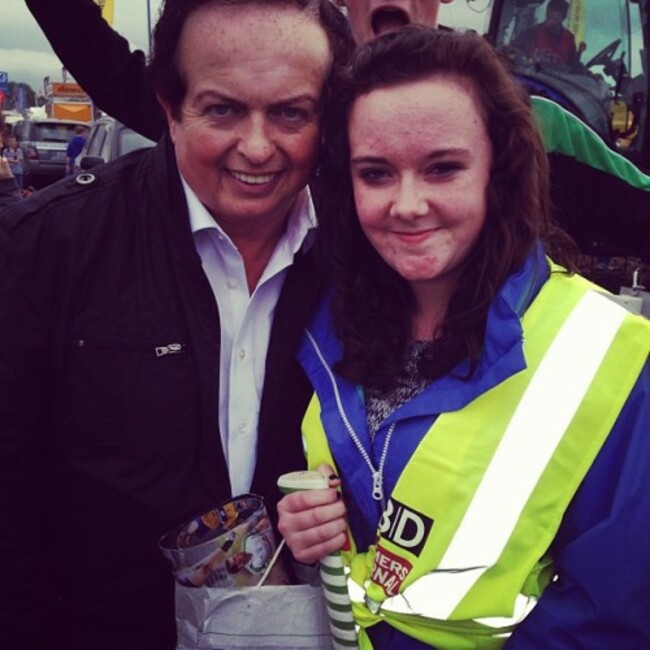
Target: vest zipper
[376,473]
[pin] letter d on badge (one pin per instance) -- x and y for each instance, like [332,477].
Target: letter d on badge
[405,527]
[414,536]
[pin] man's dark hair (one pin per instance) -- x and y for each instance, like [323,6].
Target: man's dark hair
[164,67]
[372,305]
[561,6]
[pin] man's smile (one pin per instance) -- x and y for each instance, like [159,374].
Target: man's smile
[252,179]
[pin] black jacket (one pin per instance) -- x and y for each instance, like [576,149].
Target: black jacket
[9,192]
[105,445]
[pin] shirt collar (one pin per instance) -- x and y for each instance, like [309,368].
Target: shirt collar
[301,221]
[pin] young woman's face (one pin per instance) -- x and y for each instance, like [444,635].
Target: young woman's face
[420,164]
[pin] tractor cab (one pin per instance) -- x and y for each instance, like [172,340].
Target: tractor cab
[587,55]
[591,57]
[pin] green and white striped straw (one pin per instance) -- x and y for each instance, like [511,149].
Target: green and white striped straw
[332,571]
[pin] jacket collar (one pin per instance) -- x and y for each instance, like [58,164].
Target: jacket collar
[502,353]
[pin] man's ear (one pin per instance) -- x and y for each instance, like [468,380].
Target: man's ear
[171,122]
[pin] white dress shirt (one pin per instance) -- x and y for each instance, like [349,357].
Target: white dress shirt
[245,325]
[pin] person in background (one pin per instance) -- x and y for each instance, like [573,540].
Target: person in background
[550,41]
[14,155]
[485,409]
[75,145]
[587,178]
[9,192]
[149,313]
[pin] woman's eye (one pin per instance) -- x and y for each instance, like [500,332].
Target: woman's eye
[444,168]
[373,175]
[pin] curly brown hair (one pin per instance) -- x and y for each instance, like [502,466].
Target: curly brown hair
[371,304]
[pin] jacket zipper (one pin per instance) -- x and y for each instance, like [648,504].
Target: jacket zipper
[159,351]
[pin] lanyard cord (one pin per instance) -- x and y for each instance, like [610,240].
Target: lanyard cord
[376,473]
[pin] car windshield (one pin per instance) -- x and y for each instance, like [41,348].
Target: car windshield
[50,132]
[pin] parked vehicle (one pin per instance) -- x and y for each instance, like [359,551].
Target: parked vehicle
[11,117]
[44,143]
[108,140]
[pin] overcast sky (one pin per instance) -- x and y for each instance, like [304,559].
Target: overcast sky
[26,55]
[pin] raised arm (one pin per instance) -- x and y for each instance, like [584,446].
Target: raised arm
[102,62]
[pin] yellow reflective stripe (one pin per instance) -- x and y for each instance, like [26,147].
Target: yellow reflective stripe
[536,428]
[524,605]
[356,592]
[313,437]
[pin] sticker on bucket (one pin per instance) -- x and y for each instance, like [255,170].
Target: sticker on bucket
[228,546]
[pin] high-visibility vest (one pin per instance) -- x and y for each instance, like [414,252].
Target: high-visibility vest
[461,556]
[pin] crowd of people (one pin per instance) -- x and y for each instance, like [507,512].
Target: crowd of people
[12,172]
[349,253]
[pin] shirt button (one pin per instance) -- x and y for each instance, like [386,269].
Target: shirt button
[232,284]
[241,353]
[243,427]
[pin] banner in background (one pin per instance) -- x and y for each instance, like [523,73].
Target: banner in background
[20,98]
[576,20]
[107,9]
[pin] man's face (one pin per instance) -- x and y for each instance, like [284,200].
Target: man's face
[369,18]
[248,131]
[555,18]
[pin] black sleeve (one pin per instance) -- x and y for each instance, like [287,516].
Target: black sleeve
[101,62]
[26,388]
[9,192]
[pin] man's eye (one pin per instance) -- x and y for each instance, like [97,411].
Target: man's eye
[292,114]
[221,110]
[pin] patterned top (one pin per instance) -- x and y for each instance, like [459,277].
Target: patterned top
[381,403]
